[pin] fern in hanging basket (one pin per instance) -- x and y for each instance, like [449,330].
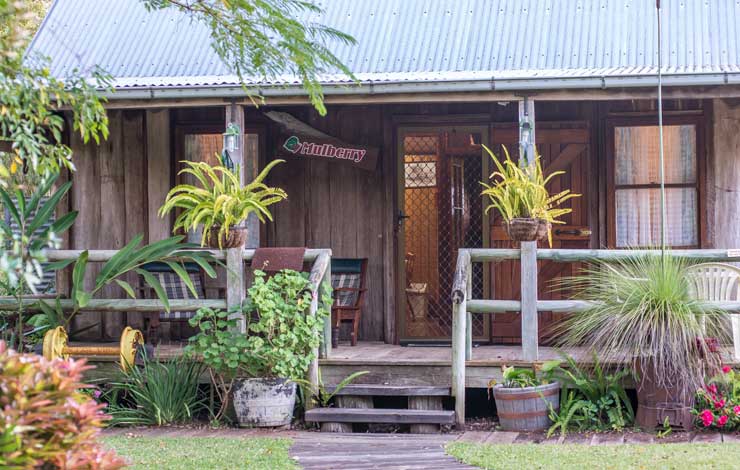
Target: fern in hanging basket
[218,202]
[520,195]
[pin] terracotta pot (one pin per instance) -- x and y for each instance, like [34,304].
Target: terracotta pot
[234,238]
[543,227]
[521,229]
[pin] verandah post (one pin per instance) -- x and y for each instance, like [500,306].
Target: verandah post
[459,334]
[530,339]
[235,271]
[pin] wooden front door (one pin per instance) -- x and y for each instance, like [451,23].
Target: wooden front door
[562,146]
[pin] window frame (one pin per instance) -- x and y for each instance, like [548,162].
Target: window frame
[700,184]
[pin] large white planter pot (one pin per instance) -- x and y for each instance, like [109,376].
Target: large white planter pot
[263,402]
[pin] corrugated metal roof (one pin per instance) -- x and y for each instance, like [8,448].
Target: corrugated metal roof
[419,41]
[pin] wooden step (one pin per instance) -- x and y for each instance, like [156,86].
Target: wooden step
[374,390]
[379,415]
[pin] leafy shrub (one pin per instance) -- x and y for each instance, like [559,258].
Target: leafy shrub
[45,420]
[156,393]
[281,337]
[591,399]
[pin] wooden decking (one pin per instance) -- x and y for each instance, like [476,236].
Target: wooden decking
[398,365]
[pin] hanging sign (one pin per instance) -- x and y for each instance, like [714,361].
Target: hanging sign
[327,148]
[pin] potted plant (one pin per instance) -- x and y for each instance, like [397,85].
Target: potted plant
[520,195]
[523,400]
[642,312]
[220,204]
[257,371]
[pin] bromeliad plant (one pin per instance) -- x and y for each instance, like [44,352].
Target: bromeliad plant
[281,336]
[219,202]
[521,193]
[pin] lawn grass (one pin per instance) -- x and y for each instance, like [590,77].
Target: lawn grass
[202,453]
[616,457]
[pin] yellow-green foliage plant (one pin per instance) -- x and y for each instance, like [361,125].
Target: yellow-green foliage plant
[219,200]
[517,192]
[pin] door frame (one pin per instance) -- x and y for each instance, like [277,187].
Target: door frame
[436,125]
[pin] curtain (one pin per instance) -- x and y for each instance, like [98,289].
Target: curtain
[637,177]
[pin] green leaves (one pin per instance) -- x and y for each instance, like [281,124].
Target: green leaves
[220,201]
[268,38]
[281,336]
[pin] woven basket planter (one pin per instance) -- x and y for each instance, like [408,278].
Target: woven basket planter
[543,227]
[528,408]
[521,229]
[234,238]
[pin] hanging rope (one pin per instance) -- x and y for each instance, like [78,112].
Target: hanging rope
[663,214]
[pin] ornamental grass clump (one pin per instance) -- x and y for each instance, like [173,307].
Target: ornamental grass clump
[46,421]
[643,312]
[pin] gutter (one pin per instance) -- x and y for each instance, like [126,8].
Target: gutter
[428,86]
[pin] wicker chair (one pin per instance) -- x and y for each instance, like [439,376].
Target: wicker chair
[348,283]
[718,282]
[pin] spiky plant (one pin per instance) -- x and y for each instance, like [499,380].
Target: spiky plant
[522,192]
[643,312]
[220,200]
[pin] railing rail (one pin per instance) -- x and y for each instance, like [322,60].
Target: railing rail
[463,305]
[235,290]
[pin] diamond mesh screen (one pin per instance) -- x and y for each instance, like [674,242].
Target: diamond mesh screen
[441,176]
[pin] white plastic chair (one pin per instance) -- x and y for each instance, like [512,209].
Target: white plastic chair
[718,282]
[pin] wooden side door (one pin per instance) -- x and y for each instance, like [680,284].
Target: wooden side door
[563,146]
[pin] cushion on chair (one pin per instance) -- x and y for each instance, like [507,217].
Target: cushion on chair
[346,280]
[175,288]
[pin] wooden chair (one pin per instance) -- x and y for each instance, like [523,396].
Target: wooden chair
[348,283]
[175,289]
[721,283]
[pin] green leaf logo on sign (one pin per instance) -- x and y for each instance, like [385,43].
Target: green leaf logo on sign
[292,144]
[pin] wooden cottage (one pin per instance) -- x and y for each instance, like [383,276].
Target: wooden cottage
[392,172]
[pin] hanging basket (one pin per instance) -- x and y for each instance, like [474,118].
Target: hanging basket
[522,229]
[543,227]
[235,237]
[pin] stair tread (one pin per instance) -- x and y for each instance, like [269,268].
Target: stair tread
[380,415]
[392,390]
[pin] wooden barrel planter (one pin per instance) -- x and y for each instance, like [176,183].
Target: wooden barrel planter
[528,408]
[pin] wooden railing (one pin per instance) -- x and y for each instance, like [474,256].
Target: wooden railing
[463,305]
[235,291]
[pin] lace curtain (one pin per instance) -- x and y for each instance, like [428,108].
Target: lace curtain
[637,183]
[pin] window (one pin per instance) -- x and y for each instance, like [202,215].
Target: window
[636,186]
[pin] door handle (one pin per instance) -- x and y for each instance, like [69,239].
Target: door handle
[575,232]
[401,217]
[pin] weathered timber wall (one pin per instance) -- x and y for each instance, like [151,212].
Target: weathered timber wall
[110,192]
[726,165]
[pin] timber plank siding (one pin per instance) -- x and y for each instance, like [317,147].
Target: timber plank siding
[354,212]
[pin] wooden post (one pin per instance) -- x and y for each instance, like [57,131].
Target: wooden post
[235,285]
[459,333]
[327,339]
[529,301]
[248,158]
[469,319]
[526,132]
[318,273]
